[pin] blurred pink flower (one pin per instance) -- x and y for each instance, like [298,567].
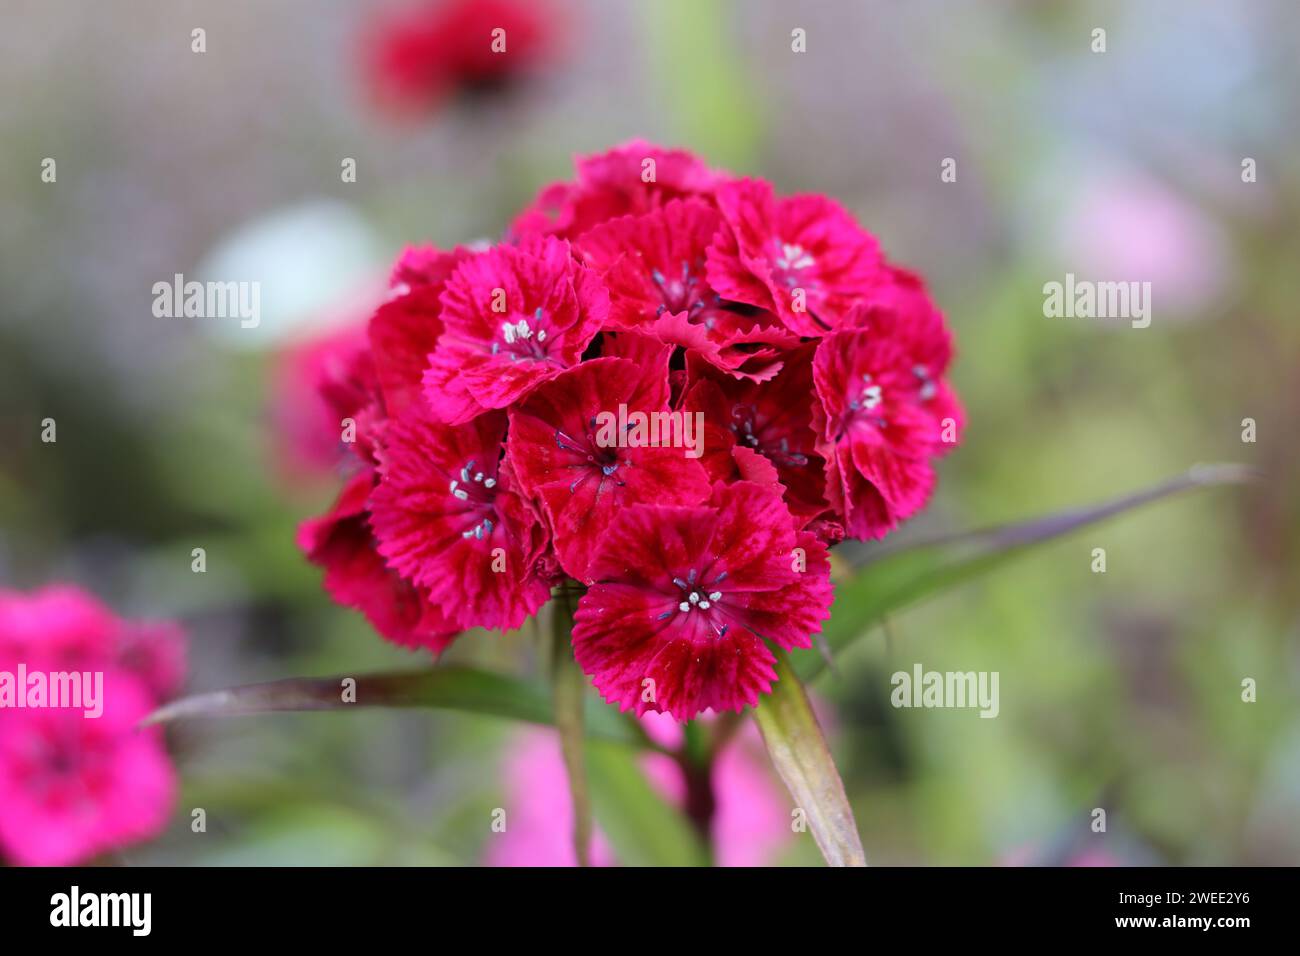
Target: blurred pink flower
[751,822]
[1131,227]
[73,786]
[306,423]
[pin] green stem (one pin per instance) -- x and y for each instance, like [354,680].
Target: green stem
[570,688]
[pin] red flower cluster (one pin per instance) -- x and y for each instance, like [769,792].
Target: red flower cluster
[668,384]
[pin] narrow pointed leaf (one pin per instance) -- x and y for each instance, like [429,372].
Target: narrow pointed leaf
[448,687]
[798,750]
[897,578]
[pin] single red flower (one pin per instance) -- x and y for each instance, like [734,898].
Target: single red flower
[450,519]
[514,317]
[685,597]
[556,449]
[903,310]
[802,257]
[883,409]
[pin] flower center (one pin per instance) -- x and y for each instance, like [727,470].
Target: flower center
[698,599]
[523,339]
[753,431]
[65,766]
[865,403]
[594,461]
[789,259]
[928,388]
[477,492]
[683,295]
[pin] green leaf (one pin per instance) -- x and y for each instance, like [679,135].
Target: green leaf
[897,578]
[449,687]
[799,753]
[642,827]
[570,686]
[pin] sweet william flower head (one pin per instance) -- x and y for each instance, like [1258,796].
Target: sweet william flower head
[813,374]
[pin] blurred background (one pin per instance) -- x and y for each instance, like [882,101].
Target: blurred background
[1120,690]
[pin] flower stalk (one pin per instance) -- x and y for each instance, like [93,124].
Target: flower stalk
[569,687]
